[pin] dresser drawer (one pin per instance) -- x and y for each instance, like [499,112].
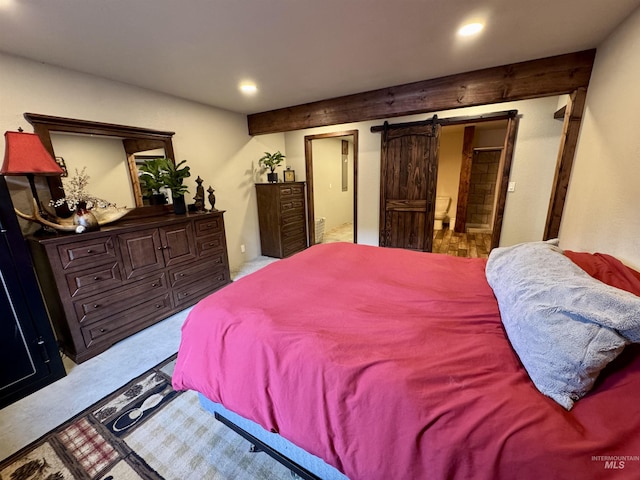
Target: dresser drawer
[189,294]
[120,300]
[112,328]
[94,251]
[297,229]
[209,225]
[210,245]
[292,190]
[293,245]
[94,279]
[292,218]
[199,271]
[292,206]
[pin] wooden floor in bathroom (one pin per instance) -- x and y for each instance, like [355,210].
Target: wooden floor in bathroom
[470,245]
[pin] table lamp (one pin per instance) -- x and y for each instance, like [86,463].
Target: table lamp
[25,155]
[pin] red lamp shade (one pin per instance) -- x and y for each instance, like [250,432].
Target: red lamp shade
[24,154]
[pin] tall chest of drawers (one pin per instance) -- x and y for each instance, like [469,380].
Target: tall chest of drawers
[282,218]
[101,287]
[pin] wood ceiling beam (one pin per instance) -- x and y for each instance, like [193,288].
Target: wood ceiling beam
[561,74]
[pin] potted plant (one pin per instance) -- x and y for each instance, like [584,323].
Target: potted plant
[271,161]
[173,179]
[151,176]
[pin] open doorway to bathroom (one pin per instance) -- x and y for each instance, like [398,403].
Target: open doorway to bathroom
[473,167]
[332,178]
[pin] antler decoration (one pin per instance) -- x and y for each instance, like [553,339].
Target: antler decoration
[104,216]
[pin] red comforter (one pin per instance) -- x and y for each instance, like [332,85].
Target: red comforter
[391,364]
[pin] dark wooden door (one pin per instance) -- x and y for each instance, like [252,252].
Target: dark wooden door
[408,176]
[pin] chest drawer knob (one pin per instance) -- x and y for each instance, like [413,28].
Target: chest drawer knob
[154,284]
[95,305]
[96,278]
[89,251]
[102,330]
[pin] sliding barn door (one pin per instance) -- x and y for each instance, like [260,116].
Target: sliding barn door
[409,172]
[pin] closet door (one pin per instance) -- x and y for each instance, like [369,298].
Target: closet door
[409,172]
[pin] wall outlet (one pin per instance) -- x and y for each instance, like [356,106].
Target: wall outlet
[511,187]
[242,249]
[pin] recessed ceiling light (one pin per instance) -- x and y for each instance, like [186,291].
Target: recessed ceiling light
[248,88]
[470,29]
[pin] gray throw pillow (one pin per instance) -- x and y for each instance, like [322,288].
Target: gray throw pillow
[564,325]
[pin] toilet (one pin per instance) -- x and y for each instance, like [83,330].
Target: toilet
[442,208]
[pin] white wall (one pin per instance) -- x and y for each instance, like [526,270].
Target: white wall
[533,167]
[449,165]
[329,200]
[214,142]
[601,212]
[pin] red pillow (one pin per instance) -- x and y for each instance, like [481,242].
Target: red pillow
[607,269]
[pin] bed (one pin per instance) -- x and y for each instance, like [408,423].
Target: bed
[374,363]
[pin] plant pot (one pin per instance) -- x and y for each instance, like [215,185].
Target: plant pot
[179,205]
[158,199]
[272,177]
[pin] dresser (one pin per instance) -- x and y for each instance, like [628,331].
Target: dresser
[282,218]
[103,286]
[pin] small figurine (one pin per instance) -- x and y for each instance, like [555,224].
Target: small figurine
[199,198]
[212,199]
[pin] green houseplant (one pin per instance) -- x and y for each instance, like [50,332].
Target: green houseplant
[271,161]
[173,179]
[151,177]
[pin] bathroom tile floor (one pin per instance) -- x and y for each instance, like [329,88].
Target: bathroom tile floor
[470,245]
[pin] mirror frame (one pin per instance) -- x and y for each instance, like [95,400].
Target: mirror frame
[134,140]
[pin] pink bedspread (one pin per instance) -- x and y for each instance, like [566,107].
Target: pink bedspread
[391,364]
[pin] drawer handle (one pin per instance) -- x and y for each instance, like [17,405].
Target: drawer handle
[211,244]
[95,305]
[158,305]
[102,330]
[181,275]
[209,224]
[154,284]
[96,278]
[89,251]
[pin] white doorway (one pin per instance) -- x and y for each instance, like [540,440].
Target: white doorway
[331,173]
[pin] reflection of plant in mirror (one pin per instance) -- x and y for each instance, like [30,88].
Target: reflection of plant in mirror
[75,193]
[151,176]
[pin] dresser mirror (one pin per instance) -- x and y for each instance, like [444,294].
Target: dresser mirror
[108,152]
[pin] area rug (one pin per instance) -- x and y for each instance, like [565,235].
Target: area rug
[145,430]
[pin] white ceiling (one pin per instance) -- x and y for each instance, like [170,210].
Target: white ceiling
[297,51]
